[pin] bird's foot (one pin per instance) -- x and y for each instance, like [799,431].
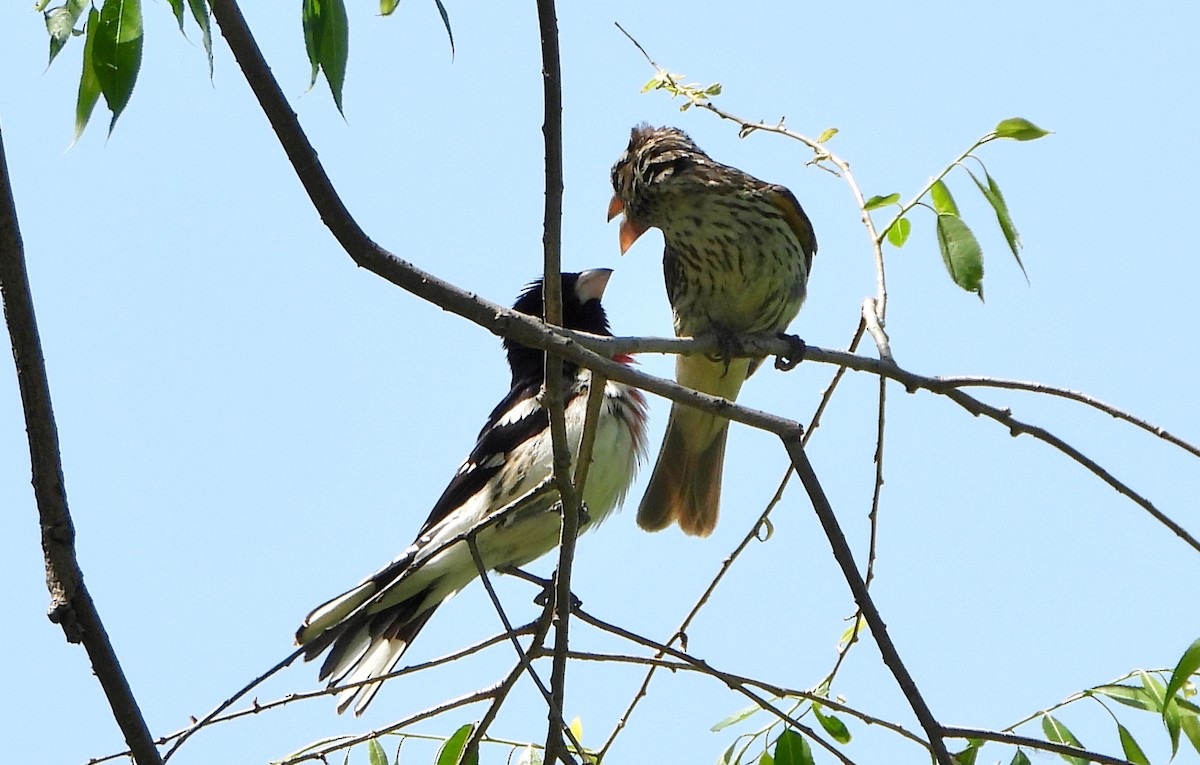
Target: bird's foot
[729,347]
[785,362]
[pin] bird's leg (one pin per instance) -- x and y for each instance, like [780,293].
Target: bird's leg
[786,362]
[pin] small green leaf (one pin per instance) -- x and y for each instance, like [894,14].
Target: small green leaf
[117,55]
[791,748]
[726,757]
[943,202]
[826,134]
[199,10]
[897,233]
[454,750]
[388,7]
[832,725]
[177,9]
[966,756]
[766,759]
[60,24]
[1020,758]
[991,192]
[327,41]
[1019,129]
[375,753]
[1155,690]
[1057,732]
[1188,664]
[875,202]
[961,253]
[89,86]
[736,717]
[1130,747]
[1129,695]
[713,90]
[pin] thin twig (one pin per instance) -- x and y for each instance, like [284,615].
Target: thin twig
[1034,743]
[71,606]
[845,559]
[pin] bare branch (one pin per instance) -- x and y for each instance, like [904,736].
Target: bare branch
[1034,743]
[71,606]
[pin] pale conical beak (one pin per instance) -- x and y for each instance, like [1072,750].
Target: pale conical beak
[615,207]
[591,284]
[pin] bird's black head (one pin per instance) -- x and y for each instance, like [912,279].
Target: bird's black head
[581,293]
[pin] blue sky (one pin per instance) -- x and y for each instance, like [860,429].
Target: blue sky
[251,424]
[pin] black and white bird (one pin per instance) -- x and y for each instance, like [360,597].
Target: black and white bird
[367,629]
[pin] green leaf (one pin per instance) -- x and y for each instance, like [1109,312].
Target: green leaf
[327,40]
[60,24]
[375,753]
[1059,733]
[177,9]
[199,10]
[388,7]
[1019,129]
[791,748]
[89,86]
[1020,758]
[875,202]
[1188,664]
[766,759]
[943,202]
[1130,747]
[117,55]
[991,192]
[736,717]
[454,751]
[826,134]
[1191,729]
[1129,695]
[832,725]
[446,21]
[897,233]
[961,253]
[966,756]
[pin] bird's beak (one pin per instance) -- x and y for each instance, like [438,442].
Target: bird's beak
[630,231]
[591,284]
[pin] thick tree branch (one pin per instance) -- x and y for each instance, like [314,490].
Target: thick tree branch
[71,606]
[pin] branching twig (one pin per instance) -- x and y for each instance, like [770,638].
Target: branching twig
[1034,743]
[71,606]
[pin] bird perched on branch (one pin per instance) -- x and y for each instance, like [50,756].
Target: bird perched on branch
[368,628]
[737,257]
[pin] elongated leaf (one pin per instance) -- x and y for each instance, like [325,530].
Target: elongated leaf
[177,9]
[736,717]
[1155,690]
[792,749]
[943,201]
[327,41]
[991,192]
[1020,758]
[60,24]
[726,757]
[875,202]
[966,756]
[1191,729]
[199,10]
[454,751]
[446,21]
[117,55]
[1059,733]
[388,7]
[1188,664]
[826,134]
[1129,695]
[375,753]
[1019,129]
[1130,747]
[897,233]
[89,86]
[832,725]
[961,253]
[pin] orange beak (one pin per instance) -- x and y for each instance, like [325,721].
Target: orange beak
[630,231]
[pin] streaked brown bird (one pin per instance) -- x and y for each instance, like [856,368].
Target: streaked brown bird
[737,258]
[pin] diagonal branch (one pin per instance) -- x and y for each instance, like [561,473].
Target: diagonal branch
[71,606]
